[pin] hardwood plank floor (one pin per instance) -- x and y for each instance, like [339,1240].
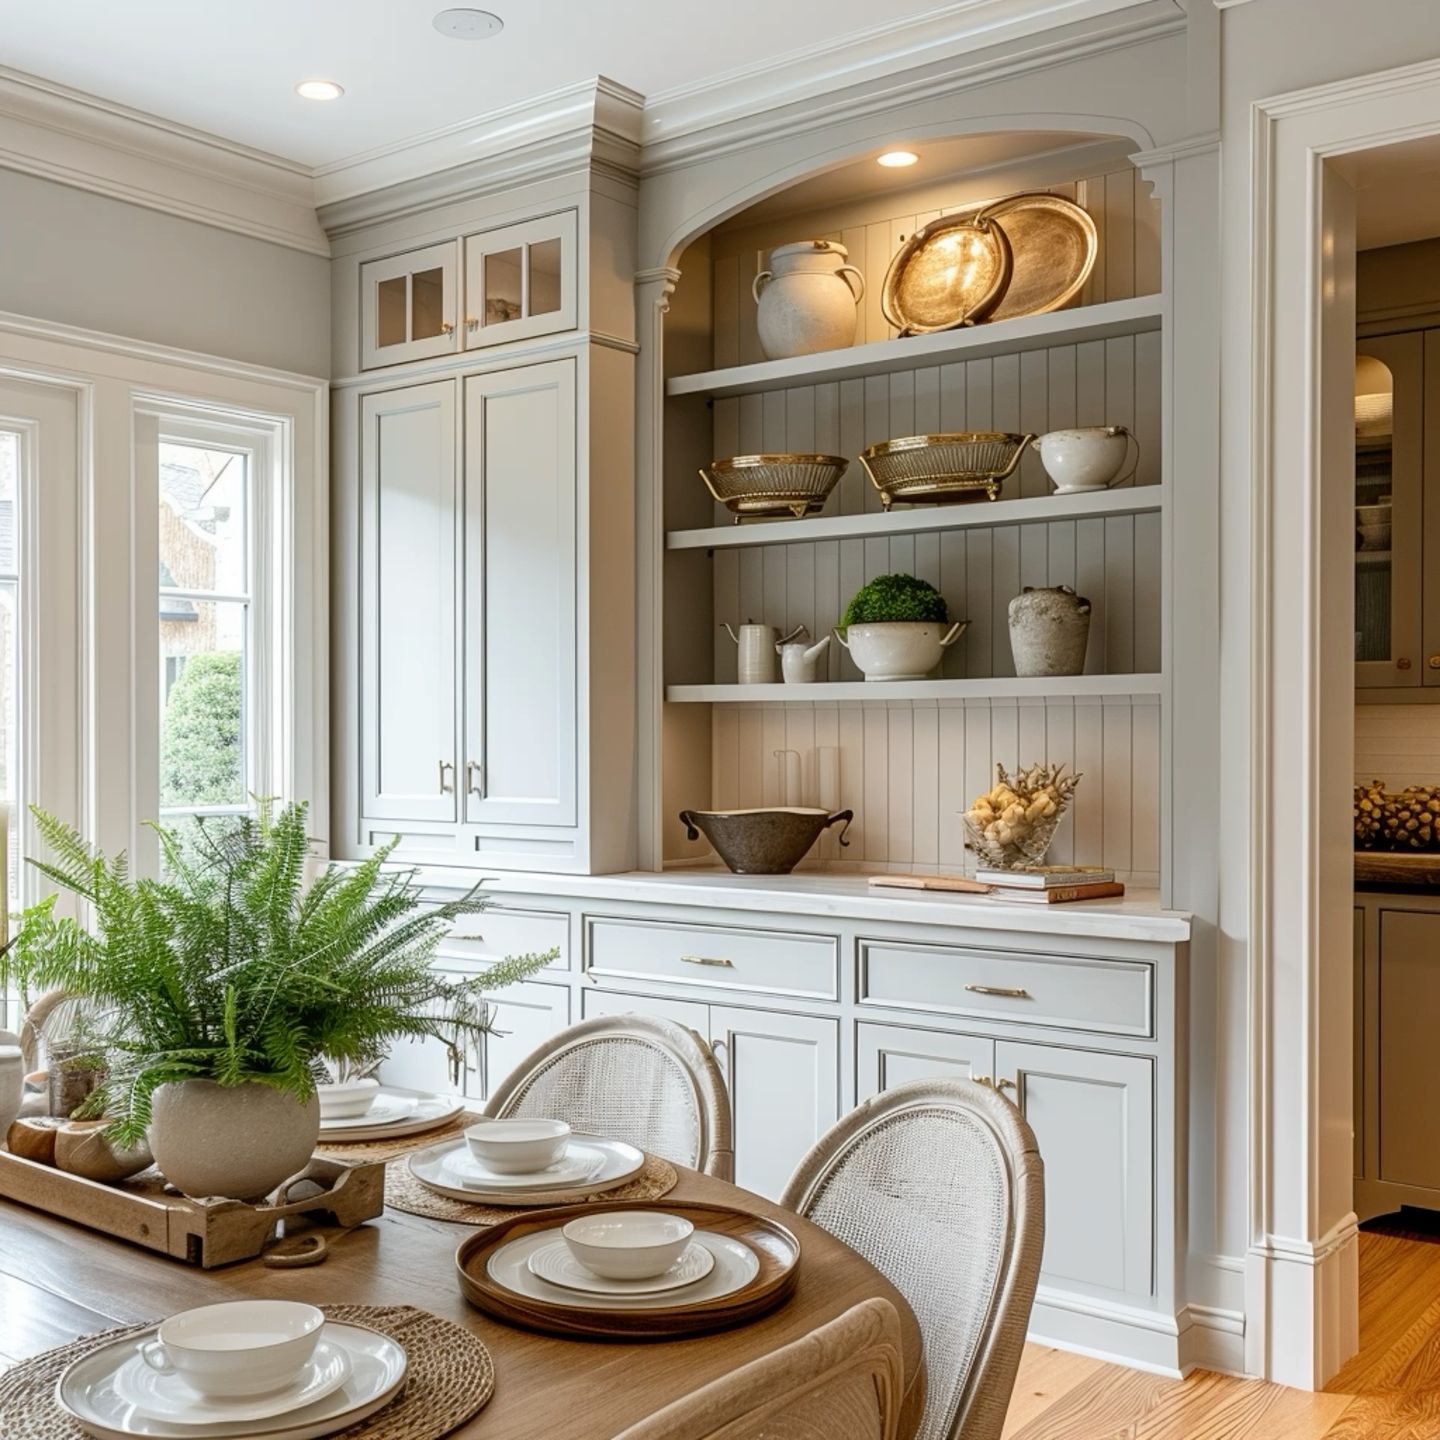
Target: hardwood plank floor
[1389,1391]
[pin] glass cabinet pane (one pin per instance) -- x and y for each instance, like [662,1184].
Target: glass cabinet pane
[544,259]
[391,318]
[427,304]
[503,286]
[1374,463]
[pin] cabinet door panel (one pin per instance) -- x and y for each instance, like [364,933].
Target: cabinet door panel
[409,654]
[887,1055]
[424,1064]
[525,1016]
[1409,1003]
[521,597]
[614,1002]
[520,281]
[784,1073]
[1093,1116]
[408,305]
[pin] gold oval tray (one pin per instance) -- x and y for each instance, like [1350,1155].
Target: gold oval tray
[953,271]
[754,487]
[1054,244]
[943,468]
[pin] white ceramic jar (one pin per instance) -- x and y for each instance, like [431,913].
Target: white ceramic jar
[1088,458]
[807,300]
[899,649]
[1049,631]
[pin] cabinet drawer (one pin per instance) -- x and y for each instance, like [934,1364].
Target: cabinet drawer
[1065,992]
[506,930]
[772,961]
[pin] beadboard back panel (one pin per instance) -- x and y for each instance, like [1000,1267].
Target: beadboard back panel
[1114,562]
[908,768]
[1399,744]
[1126,218]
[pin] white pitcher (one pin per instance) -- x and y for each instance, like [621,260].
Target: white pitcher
[799,662]
[759,645]
[807,301]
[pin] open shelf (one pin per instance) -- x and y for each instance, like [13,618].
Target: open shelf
[979,514]
[999,687]
[885,357]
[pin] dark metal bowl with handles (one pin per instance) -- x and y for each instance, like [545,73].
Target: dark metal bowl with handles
[763,842]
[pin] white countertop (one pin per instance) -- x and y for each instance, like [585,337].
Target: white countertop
[1138,916]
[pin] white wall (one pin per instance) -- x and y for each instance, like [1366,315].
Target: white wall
[83,259]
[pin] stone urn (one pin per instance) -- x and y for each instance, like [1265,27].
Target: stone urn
[1049,631]
[236,1141]
[807,301]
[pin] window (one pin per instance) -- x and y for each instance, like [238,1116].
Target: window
[217,650]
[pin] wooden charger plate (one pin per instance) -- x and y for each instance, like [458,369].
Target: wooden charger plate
[777,1249]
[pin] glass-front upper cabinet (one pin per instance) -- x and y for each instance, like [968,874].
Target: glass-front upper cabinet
[1389,484]
[520,281]
[408,305]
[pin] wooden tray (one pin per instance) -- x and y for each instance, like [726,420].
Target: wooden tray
[202,1232]
[777,1249]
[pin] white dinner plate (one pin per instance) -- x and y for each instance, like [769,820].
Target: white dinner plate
[86,1390]
[431,1111]
[619,1162]
[385,1109]
[579,1162]
[736,1265]
[555,1263]
[168,1397]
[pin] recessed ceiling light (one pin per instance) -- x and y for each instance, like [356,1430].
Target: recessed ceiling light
[896,159]
[319,90]
[468,24]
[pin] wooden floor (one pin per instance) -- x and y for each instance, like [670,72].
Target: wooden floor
[1389,1391]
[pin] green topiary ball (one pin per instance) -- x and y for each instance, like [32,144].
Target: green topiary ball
[895,597]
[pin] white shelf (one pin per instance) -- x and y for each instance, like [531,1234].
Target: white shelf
[978,514]
[996,688]
[884,357]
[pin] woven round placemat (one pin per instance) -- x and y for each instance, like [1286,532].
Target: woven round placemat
[450,1377]
[389,1149]
[404,1192]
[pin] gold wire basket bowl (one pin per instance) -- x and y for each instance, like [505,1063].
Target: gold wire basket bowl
[943,468]
[756,487]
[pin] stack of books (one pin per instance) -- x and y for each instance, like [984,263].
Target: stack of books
[1051,884]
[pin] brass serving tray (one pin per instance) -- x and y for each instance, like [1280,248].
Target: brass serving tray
[777,1248]
[781,485]
[943,468]
[954,271]
[1055,245]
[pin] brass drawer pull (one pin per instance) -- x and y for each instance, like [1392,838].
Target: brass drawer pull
[708,960]
[1002,991]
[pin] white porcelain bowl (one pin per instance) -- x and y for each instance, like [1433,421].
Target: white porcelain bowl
[236,1350]
[1088,458]
[518,1147]
[899,649]
[628,1244]
[348,1101]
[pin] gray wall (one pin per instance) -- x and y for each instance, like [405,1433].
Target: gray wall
[84,259]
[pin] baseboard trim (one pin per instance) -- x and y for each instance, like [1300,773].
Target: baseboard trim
[1212,1339]
[1121,1334]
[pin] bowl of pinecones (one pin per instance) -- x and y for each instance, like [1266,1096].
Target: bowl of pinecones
[1387,820]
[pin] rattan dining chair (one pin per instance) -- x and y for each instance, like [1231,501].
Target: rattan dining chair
[938,1183]
[843,1381]
[629,1077]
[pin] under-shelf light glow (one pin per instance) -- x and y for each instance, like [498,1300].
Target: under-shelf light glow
[897,159]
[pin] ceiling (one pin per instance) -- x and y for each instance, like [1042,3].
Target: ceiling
[1397,192]
[233,71]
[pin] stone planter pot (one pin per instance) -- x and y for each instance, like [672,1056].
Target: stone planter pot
[807,301]
[238,1141]
[1049,631]
[899,649]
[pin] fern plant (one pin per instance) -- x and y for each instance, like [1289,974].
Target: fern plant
[232,970]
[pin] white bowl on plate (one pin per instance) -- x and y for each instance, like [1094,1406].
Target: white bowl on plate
[347,1101]
[518,1147]
[238,1349]
[628,1244]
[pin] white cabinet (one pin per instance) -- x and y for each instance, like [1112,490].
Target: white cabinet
[887,1055]
[474,639]
[408,621]
[520,600]
[1093,1115]
[524,1016]
[783,1072]
[520,281]
[408,305]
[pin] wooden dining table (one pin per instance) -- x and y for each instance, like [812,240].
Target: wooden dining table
[59,1281]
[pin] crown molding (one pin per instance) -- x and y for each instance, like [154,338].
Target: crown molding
[61,134]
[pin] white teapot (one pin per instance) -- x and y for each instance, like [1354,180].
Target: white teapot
[1088,458]
[799,662]
[758,645]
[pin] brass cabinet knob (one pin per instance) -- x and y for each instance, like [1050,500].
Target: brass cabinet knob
[1434,662]
[1403,663]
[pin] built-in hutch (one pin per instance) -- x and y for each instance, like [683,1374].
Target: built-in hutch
[531,677]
